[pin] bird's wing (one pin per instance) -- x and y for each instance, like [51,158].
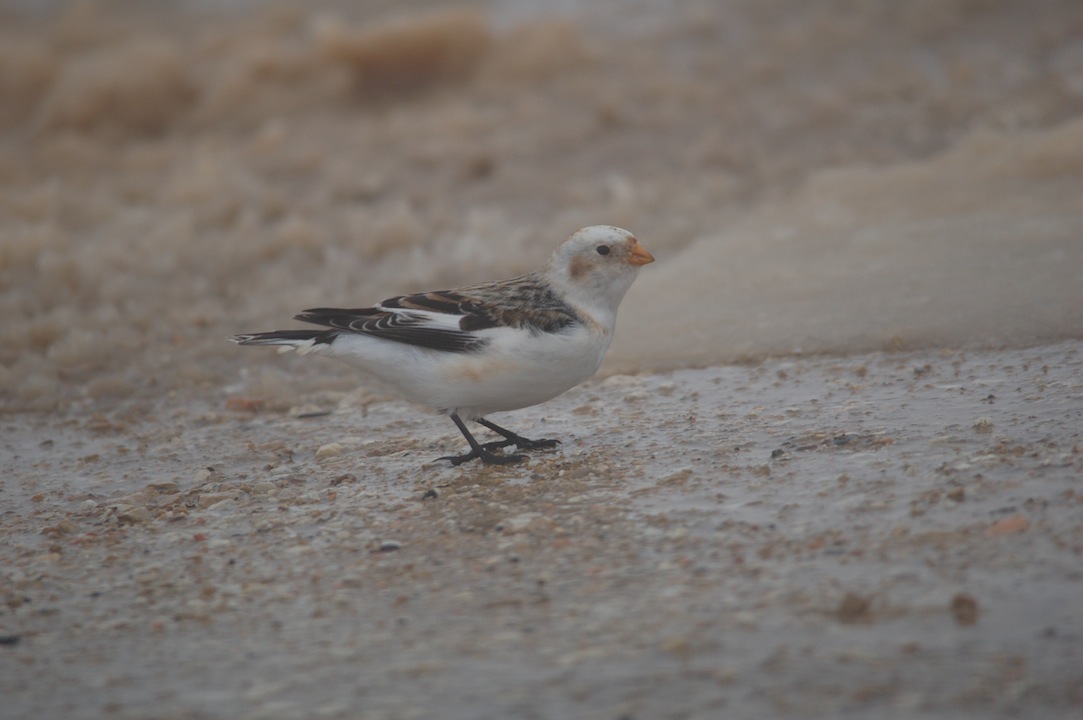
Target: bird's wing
[427,328]
[452,320]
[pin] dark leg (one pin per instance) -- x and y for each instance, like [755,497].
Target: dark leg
[520,442]
[477,450]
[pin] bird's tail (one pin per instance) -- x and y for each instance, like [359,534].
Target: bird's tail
[303,341]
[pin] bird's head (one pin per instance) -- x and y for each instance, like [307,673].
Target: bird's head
[596,265]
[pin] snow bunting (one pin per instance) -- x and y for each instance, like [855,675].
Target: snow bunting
[489,347]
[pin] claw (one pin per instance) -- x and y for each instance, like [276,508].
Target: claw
[524,444]
[496,444]
[521,443]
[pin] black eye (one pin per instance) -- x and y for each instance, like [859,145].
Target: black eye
[603,249]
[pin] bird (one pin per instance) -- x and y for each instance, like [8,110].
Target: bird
[490,347]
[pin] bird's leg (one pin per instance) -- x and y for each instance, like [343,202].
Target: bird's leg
[477,450]
[520,442]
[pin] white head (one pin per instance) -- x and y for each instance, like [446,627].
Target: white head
[596,266]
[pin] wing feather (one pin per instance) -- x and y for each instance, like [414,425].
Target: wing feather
[450,320]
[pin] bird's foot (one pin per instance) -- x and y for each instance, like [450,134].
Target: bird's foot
[522,443]
[482,453]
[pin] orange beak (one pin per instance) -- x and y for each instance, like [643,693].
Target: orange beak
[640,256]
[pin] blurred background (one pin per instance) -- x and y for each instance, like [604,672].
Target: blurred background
[830,176]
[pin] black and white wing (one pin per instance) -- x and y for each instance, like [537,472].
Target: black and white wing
[454,320]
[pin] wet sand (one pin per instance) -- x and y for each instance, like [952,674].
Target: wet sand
[754,517]
[894,535]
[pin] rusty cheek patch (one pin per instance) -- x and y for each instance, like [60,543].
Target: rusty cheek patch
[580,266]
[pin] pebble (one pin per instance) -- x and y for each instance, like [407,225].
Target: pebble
[64,527]
[852,608]
[132,515]
[676,645]
[1009,525]
[243,404]
[677,477]
[964,608]
[390,545]
[308,410]
[203,475]
[329,450]
[137,499]
[747,618]
[342,479]
[206,500]
[520,523]
[616,381]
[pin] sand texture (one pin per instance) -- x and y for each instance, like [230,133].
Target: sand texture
[831,467]
[896,535]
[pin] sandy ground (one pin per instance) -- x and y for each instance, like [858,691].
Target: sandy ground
[195,530]
[890,535]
